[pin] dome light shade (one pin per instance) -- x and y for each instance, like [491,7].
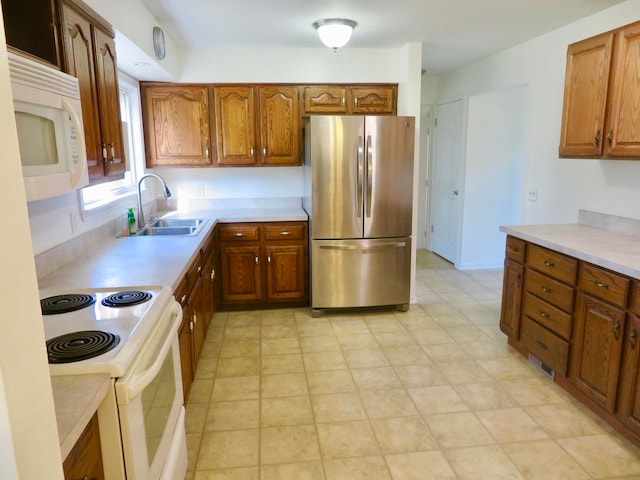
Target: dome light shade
[334,32]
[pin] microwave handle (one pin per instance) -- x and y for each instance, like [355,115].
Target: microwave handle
[82,162]
[140,380]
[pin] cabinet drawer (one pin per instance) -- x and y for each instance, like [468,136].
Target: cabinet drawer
[182,293]
[552,263]
[194,272]
[552,291]
[603,284]
[547,315]
[285,232]
[244,232]
[515,249]
[549,348]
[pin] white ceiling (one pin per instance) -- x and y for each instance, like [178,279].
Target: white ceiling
[452,32]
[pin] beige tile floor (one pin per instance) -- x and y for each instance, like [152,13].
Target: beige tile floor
[432,393]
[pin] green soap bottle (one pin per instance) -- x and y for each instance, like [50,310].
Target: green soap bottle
[131,219]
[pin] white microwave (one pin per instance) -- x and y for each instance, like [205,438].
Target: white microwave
[48,115]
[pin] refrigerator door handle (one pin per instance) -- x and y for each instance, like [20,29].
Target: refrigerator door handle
[359,175]
[365,248]
[369,176]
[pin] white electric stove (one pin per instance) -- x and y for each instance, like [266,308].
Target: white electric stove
[114,321]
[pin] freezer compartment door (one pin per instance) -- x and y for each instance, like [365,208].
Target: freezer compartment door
[360,273]
[388,186]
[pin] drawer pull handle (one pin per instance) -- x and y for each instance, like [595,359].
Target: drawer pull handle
[256,260]
[616,329]
[184,297]
[239,234]
[549,264]
[542,345]
[632,338]
[546,290]
[285,233]
[191,326]
[602,285]
[544,314]
[199,269]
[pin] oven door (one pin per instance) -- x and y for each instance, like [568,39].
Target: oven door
[150,402]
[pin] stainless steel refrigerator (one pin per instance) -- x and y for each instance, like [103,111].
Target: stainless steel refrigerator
[358,182]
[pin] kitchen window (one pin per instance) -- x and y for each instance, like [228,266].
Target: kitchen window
[98,198]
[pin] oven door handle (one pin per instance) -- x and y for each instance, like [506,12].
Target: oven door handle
[139,380]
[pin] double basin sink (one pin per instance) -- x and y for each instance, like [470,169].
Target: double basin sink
[173,226]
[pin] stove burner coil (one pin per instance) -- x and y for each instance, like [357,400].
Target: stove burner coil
[126,298]
[66,303]
[76,346]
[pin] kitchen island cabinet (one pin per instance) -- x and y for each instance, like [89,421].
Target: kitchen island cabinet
[599,118]
[90,56]
[591,343]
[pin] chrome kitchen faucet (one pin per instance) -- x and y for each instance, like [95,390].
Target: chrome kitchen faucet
[165,190]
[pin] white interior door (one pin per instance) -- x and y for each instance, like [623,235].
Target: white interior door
[446,179]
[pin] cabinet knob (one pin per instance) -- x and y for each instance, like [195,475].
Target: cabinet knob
[264,151]
[256,260]
[239,234]
[549,264]
[184,297]
[199,269]
[285,233]
[195,318]
[191,326]
[602,285]
[596,139]
[269,259]
[610,138]
[544,314]
[251,151]
[632,338]
[616,329]
[546,289]
[213,274]
[542,345]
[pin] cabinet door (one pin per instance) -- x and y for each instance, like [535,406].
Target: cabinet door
[585,96]
[196,315]
[511,298]
[235,125]
[208,288]
[184,341]
[372,100]
[286,272]
[325,99]
[623,130]
[85,459]
[79,60]
[240,274]
[177,129]
[279,125]
[596,349]
[109,104]
[629,404]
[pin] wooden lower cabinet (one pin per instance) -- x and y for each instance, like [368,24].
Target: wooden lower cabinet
[592,344]
[263,264]
[85,459]
[196,295]
[511,298]
[597,348]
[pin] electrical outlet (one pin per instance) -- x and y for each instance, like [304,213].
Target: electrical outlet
[532,194]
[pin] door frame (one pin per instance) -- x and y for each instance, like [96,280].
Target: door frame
[424,175]
[461,173]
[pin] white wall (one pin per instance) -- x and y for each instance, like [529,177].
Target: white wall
[564,185]
[493,170]
[27,418]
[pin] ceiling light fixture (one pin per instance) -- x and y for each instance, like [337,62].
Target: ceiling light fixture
[334,32]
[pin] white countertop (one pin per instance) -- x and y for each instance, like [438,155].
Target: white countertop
[153,260]
[614,248]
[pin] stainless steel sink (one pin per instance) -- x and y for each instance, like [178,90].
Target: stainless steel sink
[173,226]
[177,222]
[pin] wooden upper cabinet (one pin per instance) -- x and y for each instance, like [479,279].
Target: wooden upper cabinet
[109,103]
[372,100]
[585,96]
[350,99]
[31,27]
[90,56]
[279,125]
[177,129]
[235,125]
[623,121]
[325,99]
[602,92]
